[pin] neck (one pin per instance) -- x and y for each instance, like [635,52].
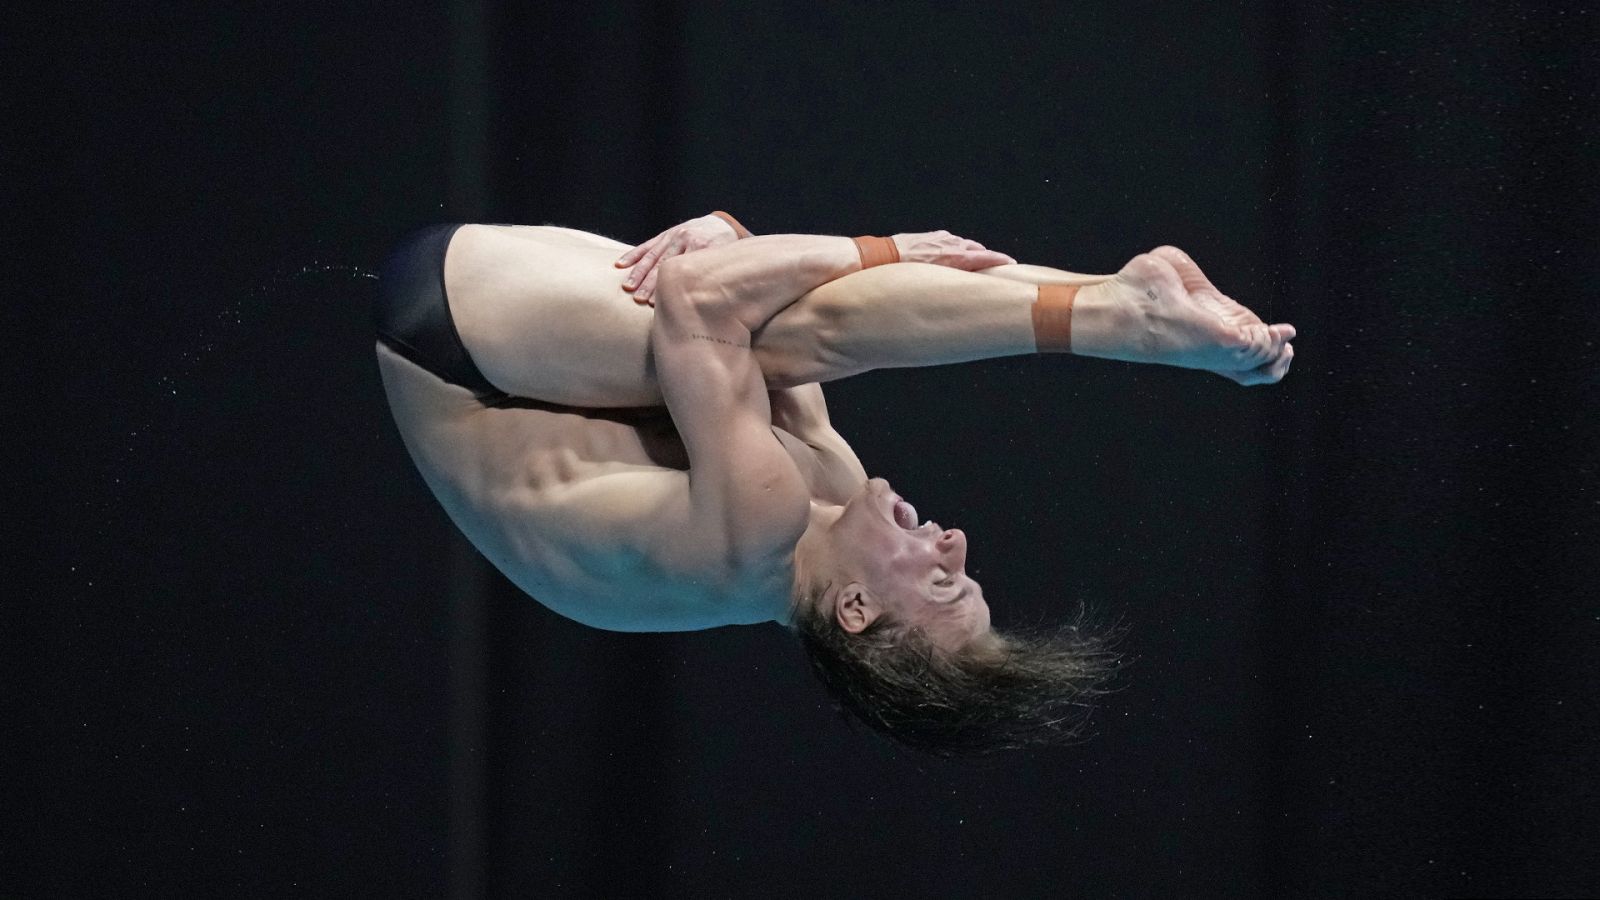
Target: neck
[810,557]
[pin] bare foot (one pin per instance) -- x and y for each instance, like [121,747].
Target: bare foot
[1185,321]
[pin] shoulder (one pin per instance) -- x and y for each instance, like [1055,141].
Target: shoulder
[748,531]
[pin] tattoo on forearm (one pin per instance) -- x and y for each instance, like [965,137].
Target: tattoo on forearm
[707,337]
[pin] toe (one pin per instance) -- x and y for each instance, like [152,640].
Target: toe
[1256,346]
[1272,372]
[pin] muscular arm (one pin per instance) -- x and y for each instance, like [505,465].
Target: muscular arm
[747,498]
[753,279]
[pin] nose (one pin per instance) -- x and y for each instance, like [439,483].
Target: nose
[952,543]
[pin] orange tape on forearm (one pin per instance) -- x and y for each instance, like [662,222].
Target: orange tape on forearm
[876,251]
[1052,318]
[738,229]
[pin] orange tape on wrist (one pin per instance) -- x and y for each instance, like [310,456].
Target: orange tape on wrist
[876,251]
[1052,318]
[738,229]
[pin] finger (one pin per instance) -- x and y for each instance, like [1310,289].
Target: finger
[673,247]
[647,289]
[984,259]
[633,255]
[645,267]
[1284,333]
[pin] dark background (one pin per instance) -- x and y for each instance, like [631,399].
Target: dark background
[254,659]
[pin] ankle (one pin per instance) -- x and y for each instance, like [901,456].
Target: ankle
[1106,325]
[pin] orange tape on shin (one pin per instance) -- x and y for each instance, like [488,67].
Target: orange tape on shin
[1052,318]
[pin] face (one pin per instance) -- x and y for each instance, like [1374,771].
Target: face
[896,566]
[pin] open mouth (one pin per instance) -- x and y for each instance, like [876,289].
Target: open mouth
[905,515]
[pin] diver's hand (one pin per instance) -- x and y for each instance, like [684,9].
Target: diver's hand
[1179,318]
[941,248]
[695,234]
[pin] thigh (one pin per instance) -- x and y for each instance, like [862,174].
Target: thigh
[542,312]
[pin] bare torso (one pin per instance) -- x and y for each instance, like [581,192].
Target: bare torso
[534,484]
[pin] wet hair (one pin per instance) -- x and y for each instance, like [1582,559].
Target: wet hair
[1024,689]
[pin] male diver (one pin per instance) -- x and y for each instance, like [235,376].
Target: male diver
[637,438]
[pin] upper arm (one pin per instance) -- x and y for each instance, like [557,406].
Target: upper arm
[803,412]
[800,410]
[747,498]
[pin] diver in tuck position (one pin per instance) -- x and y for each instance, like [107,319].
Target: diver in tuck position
[527,367]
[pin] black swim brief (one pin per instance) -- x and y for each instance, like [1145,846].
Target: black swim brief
[413,314]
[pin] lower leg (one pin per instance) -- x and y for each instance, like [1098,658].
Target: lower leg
[909,315]
[1030,274]
[1159,308]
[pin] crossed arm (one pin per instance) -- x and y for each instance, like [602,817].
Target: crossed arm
[920,315]
[746,495]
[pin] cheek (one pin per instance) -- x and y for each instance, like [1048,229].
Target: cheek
[871,532]
[869,542]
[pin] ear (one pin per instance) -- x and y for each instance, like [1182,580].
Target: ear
[856,608]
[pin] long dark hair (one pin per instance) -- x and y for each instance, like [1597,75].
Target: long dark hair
[1023,688]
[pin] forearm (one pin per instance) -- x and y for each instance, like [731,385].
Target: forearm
[753,279]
